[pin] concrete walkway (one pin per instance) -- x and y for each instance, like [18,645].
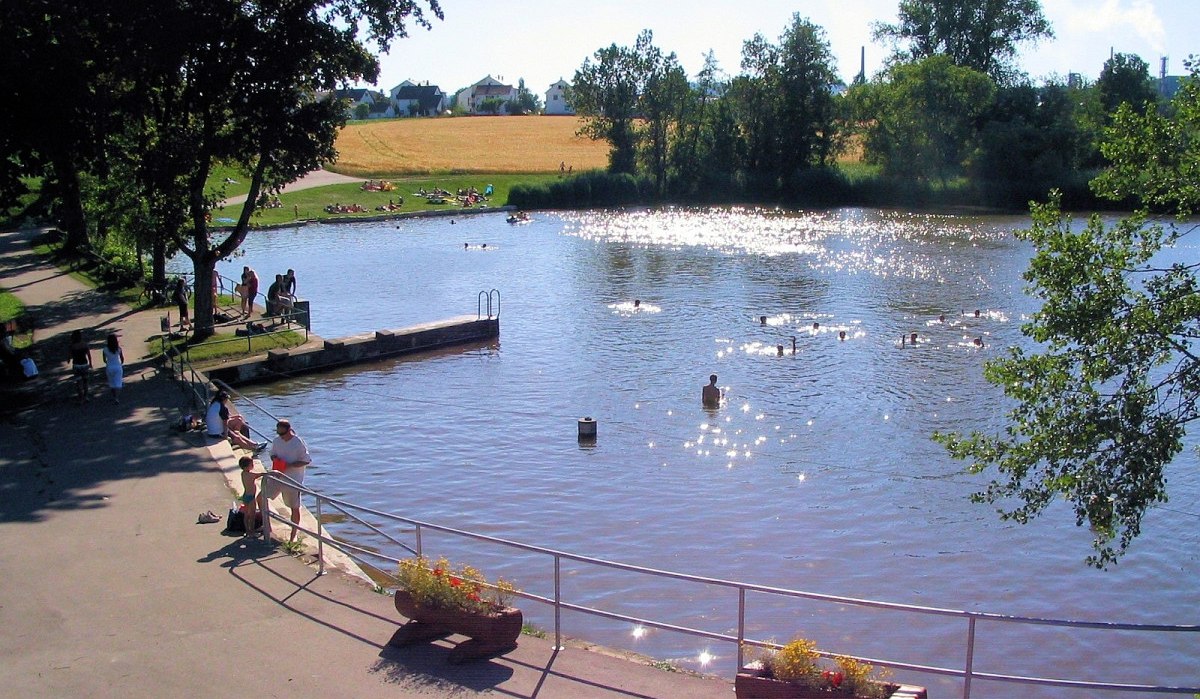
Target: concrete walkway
[316,178]
[110,588]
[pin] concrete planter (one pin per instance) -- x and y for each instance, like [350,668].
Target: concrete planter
[489,634]
[754,683]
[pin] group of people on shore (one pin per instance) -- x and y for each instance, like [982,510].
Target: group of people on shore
[288,455]
[281,294]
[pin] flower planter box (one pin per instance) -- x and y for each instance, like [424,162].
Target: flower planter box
[753,683]
[489,634]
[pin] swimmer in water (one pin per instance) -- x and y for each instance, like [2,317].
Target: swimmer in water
[637,303]
[710,395]
[978,342]
[913,340]
[842,335]
[816,325]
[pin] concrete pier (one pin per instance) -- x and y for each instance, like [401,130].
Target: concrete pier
[356,349]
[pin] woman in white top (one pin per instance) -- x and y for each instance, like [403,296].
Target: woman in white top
[114,359]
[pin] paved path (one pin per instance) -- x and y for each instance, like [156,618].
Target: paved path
[110,588]
[316,178]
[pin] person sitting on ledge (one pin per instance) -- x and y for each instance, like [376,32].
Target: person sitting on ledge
[219,424]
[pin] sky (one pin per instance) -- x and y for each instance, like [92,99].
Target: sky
[544,40]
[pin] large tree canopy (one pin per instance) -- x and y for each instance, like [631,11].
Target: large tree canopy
[1102,406]
[979,34]
[920,120]
[159,92]
[606,92]
[786,102]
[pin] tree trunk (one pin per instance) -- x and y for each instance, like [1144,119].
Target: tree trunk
[204,267]
[71,197]
[158,261]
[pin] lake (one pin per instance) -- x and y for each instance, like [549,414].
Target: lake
[816,473]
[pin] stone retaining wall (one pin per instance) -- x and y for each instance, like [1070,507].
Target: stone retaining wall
[356,349]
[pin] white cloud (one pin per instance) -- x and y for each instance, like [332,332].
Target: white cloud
[1139,17]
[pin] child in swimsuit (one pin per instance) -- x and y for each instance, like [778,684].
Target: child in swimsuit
[249,494]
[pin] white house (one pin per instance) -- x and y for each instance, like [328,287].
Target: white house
[556,99]
[411,99]
[472,98]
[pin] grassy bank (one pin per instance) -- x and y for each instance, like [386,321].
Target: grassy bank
[230,345]
[306,204]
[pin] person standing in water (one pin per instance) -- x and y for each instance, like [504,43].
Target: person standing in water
[710,395]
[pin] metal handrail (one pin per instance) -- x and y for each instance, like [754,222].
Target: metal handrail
[487,297]
[967,673]
[193,381]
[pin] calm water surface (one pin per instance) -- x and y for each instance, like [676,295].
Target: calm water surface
[817,472]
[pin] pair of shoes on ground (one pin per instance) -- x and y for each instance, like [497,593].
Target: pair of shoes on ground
[207,518]
[258,449]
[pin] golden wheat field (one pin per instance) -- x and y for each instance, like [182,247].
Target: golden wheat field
[502,144]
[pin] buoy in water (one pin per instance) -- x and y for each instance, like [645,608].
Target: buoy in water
[587,429]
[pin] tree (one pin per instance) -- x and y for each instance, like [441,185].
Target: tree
[526,102]
[920,119]
[1125,79]
[68,48]
[785,103]
[1101,408]
[605,95]
[806,103]
[242,84]
[978,34]
[664,99]
[1030,141]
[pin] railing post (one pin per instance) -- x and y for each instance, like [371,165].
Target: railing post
[558,645]
[419,549]
[970,656]
[320,541]
[266,505]
[741,627]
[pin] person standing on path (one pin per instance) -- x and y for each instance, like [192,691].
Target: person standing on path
[180,297]
[291,450]
[81,364]
[114,369]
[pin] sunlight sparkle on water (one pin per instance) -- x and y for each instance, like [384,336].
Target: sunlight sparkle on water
[638,631]
[705,658]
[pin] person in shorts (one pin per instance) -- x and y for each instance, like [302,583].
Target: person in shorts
[291,450]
